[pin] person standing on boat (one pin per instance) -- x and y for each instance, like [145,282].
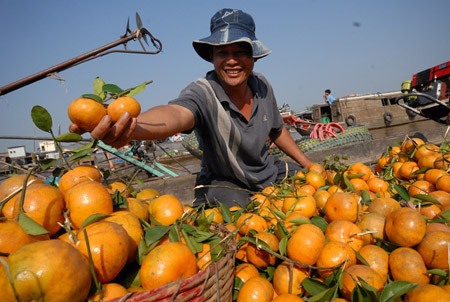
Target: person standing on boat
[329,99]
[232,110]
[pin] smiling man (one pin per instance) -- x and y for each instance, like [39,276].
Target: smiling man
[232,110]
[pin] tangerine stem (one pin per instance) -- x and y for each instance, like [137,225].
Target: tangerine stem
[291,276]
[66,226]
[61,155]
[12,194]
[123,93]
[10,279]
[98,285]
[130,182]
[22,197]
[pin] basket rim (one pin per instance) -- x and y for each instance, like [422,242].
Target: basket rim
[188,285]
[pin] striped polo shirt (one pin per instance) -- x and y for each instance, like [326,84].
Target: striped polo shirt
[233,147]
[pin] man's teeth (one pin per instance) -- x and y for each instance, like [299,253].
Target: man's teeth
[233,71]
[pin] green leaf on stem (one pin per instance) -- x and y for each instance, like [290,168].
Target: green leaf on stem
[112,88]
[142,251]
[396,289]
[225,211]
[366,285]
[47,163]
[445,215]
[420,171]
[361,258]
[438,272]
[282,247]
[119,201]
[217,251]
[337,178]
[137,90]
[319,222]
[282,230]
[237,286]
[93,218]
[174,235]
[83,152]
[349,184]
[313,287]
[155,233]
[279,214]
[199,236]
[202,222]
[30,226]
[69,137]
[426,198]
[41,118]
[300,221]
[98,88]
[93,97]
[402,192]
[365,196]
[195,246]
[79,156]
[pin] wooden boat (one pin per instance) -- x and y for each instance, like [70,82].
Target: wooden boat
[374,110]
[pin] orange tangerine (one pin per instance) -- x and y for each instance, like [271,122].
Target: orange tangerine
[123,104]
[411,143]
[315,179]
[360,168]
[303,203]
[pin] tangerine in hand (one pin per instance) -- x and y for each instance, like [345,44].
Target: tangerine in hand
[86,113]
[117,107]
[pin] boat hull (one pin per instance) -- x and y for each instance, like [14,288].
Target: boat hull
[375,111]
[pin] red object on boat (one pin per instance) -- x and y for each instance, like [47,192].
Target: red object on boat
[298,124]
[428,75]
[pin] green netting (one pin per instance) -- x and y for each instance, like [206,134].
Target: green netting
[190,143]
[350,136]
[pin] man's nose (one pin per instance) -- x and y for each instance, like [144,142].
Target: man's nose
[232,57]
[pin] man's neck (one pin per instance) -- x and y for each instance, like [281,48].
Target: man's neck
[243,100]
[240,93]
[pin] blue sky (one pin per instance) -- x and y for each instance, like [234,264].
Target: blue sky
[315,45]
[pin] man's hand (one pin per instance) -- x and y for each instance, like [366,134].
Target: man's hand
[114,134]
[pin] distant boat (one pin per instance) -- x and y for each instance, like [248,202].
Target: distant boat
[373,110]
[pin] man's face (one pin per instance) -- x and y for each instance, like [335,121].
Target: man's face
[233,63]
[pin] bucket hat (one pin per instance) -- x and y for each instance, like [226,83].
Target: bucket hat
[230,26]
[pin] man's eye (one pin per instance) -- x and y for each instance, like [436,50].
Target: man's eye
[243,54]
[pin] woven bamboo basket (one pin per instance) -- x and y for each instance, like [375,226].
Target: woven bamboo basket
[215,283]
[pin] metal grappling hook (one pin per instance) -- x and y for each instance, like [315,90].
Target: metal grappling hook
[138,34]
